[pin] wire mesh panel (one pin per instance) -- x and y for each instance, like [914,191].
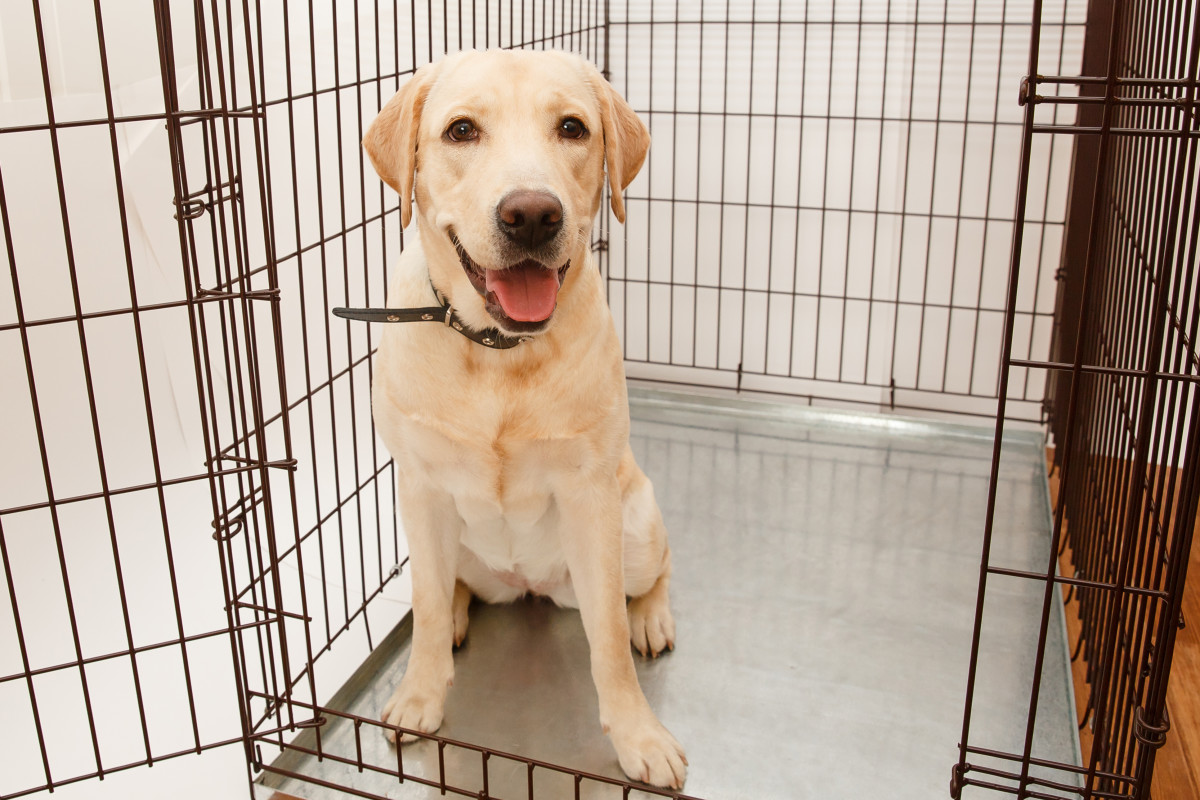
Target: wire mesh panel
[828,197]
[321,76]
[191,272]
[1124,403]
[112,653]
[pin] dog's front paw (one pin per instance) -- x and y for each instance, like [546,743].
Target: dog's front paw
[415,705]
[651,626]
[649,753]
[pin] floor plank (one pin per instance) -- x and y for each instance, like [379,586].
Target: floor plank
[1177,766]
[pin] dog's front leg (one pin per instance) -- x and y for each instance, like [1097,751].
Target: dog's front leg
[433,528]
[592,543]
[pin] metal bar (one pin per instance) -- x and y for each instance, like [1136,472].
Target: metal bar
[444,742]
[959,771]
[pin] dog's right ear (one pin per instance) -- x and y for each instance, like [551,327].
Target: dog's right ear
[391,141]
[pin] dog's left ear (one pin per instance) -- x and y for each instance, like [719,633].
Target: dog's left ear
[626,141]
[391,141]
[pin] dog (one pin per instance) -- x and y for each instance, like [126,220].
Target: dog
[515,471]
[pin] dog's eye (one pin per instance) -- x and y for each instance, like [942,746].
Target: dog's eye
[462,130]
[571,128]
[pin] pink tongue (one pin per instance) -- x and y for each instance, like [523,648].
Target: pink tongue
[526,292]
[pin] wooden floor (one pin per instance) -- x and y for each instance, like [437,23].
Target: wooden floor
[1177,767]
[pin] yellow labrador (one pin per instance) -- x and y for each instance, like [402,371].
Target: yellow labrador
[515,472]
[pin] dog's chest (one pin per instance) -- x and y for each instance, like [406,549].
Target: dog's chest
[502,483]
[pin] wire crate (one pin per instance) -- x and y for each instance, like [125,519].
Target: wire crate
[827,217]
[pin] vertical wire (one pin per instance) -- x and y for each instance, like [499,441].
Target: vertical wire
[816,345]
[429,27]
[325,322]
[1002,395]
[52,130]
[649,182]
[1074,395]
[249,377]
[232,239]
[903,215]
[1130,684]
[260,136]
[1179,205]
[625,234]
[802,80]
[196,320]
[150,426]
[883,99]
[241,227]
[309,399]
[345,243]
[962,176]
[991,170]
[721,200]
[699,207]
[227,326]
[1121,344]
[937,132]
[6,228]
[364,176]
[333,414]
[1111,415]
[672,284]
[746,206]
[1047,223]
[988,219]
[1104,415]
[850,194]
[771,204]
[1185,513]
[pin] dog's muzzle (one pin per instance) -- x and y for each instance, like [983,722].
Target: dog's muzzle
[520,297]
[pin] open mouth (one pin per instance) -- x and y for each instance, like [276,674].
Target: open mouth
[521,297]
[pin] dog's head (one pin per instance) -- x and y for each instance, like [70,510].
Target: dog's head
[506,154]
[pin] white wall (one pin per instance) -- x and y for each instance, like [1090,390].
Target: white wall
[849,182]
[799,351]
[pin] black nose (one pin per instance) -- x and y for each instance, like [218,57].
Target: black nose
[529,218]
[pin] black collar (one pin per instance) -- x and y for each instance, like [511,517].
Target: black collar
[489,337]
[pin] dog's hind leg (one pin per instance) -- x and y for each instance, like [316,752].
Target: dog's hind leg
[462,602]
[647,563]
[651,625]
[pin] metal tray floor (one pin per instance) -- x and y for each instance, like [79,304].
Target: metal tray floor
[824,585]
